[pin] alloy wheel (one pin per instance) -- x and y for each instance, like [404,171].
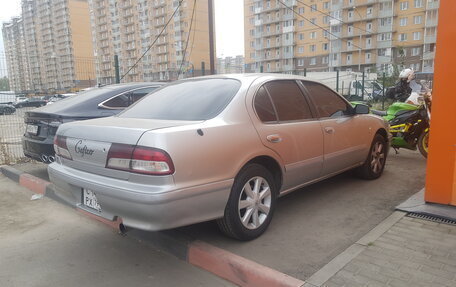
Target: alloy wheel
[254,202]
[378,157]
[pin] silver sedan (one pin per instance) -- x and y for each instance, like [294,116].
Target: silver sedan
[221,147]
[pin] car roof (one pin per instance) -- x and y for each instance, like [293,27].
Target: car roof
[85,104]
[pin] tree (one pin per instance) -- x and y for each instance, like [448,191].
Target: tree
[4,84]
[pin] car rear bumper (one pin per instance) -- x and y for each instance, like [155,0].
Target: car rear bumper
[143,206]
[37,148]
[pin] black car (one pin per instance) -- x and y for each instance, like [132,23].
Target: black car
[6,109]
[30,102]
[42,123]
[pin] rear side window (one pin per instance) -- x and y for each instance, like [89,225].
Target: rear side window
[328,103]
[263,106]
[126,99]
[288,101]
[190,100]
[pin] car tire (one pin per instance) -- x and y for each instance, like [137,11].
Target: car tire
[423,143]
[254,188]
[375,163]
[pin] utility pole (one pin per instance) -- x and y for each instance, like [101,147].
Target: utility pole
[210,5]
[116,67]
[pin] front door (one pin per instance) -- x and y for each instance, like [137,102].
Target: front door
[345,135]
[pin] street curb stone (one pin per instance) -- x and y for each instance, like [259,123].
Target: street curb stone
[222,263]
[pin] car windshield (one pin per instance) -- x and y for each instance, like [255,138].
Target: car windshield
[192,100]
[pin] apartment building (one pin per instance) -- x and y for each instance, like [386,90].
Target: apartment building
[16,55]
[55,53]
[230,65]
[290,36]
[128,28]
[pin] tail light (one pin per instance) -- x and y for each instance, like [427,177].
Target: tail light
[60,147]
[139,159]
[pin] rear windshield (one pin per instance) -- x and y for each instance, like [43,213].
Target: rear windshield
[193,100]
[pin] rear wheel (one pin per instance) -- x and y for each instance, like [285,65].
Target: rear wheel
[251,204]
[423,143]
[376,159]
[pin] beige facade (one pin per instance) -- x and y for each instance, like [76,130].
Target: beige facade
[352,35]
[16,54]
[230,65]
[57,53]
[127,28]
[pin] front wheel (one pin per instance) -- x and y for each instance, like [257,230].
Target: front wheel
[251,204]
[423,143]
[375,163]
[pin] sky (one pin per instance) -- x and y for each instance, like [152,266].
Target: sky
[229,24]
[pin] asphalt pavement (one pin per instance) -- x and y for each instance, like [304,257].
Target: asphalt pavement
[44,243]
[313,225]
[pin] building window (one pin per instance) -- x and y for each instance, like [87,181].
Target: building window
[402,37]
[301,23]
[416,36]
[313,35]
[301,36]
[350,29]
[417,19]
[403,22]
[300,62]
[416,51]
[349,58]
[313,20]
[418,3]
[350,14]
[325,46]
[404,5]
[313,7]
[301,49]
[326,5]
[301,10]
[325,60]
[369,11]
[312,48]
[369,26]
[325,19]
[313,61]
[349,44]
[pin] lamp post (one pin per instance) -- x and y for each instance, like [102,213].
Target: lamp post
[360,35]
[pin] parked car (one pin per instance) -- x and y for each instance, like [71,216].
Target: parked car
[30,102]
[42,123]
[58,97]
[218,147]
[6,109]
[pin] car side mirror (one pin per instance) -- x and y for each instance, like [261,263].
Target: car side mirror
[361,109]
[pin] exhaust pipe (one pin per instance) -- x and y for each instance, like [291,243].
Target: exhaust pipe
[51,159]
[44,158]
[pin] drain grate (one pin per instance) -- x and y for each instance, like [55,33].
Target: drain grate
[431,218]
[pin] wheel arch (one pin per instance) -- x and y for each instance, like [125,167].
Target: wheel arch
[271,165]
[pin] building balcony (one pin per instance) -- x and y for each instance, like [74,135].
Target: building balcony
[274,8]
[385,13]
[431,23]
[384,29]
[288,29]
[271,21]
[429,55]
[384,44]
[258,22]
[258,10]
[430,39]
[432,5]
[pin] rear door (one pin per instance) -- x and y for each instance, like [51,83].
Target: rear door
[346,136]
[287,126]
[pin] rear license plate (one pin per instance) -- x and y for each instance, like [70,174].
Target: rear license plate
[89,199]
[32,129]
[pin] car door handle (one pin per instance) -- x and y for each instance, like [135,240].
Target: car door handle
[274,138]
[329,130]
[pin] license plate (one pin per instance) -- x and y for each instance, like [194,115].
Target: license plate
[31,129]
[89,199]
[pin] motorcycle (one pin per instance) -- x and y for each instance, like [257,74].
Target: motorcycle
[409,117]
[409,125]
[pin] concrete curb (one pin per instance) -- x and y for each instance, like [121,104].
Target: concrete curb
[222,263]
